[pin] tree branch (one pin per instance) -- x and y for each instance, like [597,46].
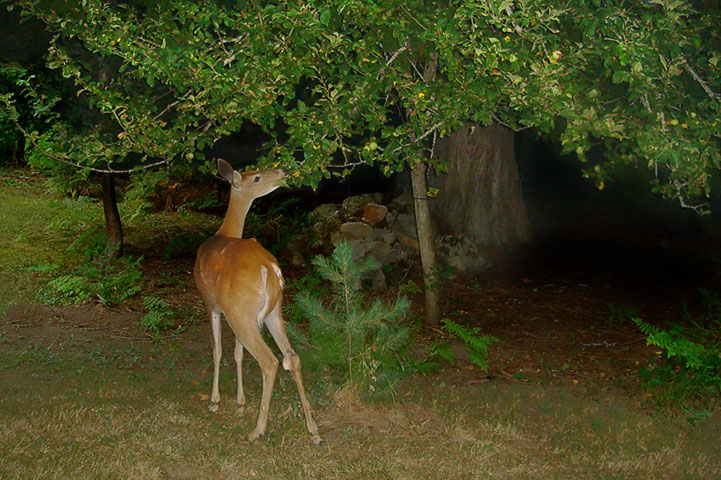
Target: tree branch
[392,59]
[416,140]
[84,167]
[713,95]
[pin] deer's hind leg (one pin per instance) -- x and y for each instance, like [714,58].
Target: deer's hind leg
[291,362]
[248,334]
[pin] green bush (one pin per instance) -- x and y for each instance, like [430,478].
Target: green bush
[690,366]
[50,144]
[279,224]
[357,340]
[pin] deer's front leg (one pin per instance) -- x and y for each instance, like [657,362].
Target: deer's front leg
[240,399]
[217,352]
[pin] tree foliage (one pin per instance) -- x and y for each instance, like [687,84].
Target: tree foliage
[341,83]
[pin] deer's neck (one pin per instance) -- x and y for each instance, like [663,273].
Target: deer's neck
[234,220]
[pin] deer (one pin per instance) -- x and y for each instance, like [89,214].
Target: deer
[241,280]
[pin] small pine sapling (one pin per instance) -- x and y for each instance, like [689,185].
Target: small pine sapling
[358,339]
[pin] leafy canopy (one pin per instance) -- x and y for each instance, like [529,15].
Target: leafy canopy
[340,83]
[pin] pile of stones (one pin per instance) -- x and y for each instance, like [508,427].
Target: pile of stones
[387,232]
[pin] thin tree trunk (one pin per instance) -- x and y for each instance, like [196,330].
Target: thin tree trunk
[18,152]
[424,226]
[113,225]
[425,243]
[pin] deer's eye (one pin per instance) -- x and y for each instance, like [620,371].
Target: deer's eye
[256,179]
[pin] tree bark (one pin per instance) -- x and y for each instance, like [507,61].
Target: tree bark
[113,225]
[425,244]
[480,195]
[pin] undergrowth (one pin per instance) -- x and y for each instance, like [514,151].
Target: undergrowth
[159,314]
[109,281]
[691,367]
[477,346]
[98,278]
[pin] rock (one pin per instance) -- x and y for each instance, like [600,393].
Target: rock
[295,252]
[297,259]
[376,278]
[405,224]
[385,254]
[460,253]
[381,251]
[359,249]
[391,218]
[402,203]
[374,213]
[336,237]
[325,211]
[404,228]
[356,203]
[409,242]
[357,231]
[387,246]
[385,235]
[325,229]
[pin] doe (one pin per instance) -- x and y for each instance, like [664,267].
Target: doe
[242,280]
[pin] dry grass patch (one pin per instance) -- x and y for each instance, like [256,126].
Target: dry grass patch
[109,423]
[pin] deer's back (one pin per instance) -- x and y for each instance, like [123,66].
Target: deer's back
[229,269]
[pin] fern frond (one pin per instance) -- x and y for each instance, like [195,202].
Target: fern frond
[478,345]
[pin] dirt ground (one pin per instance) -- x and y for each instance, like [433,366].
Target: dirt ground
[556,325]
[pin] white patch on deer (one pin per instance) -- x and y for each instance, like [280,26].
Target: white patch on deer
[278,274]
[262,295]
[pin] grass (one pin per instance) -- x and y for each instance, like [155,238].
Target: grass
[37,227]
[69,417]
[99,399]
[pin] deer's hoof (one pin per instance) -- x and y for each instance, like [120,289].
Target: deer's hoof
[239,409]
[213,407]
[315,438]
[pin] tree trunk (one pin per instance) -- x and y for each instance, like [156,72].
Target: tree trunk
[113,225]
[425,243]
[18,153]
[424,227]
[480,195]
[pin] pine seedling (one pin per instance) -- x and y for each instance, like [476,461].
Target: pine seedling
[361,341]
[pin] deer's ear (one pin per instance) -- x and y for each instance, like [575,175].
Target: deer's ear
[225,170]
[237,180]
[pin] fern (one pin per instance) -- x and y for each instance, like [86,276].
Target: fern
[109,281]
[69,289]
[693,355]
[476,344]
[159,313]
[438,349]
[698,365]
